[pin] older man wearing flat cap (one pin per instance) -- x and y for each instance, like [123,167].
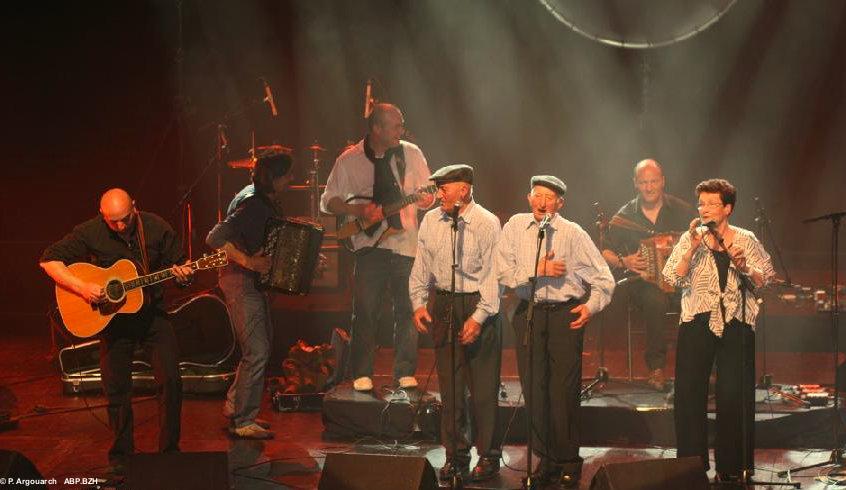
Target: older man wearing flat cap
[569,264]
[474,315]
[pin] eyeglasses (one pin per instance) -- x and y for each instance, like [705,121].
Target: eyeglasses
[710,205]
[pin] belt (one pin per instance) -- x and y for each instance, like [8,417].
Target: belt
[554,305]
[441,292]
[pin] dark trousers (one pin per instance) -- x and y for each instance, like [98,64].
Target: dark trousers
[376,271]
[150,329]
[477,369]
[653,304]
[698,350]
[556,381]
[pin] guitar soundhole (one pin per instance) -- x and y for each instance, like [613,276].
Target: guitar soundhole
[115,291]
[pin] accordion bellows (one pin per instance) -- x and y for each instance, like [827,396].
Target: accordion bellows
[293,246]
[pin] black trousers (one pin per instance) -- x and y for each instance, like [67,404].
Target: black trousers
[379,271]
[653,304]
[150,329]
[698,350]
[556,381]
[477,369]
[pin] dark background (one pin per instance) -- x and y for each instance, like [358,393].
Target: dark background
[99,94]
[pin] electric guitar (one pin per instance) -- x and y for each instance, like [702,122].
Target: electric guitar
[122,285]
[349,226]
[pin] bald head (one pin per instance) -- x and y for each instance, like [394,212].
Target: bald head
[648,164]
[116,207]
[381,112]
[649,181]
[386,126]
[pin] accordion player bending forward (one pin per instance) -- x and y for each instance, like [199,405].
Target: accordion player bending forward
[242,235]
[640,238]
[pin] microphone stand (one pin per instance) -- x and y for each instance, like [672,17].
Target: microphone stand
[528,340]
[455,483]
[221,149]
[764,229]
[602,228]
[837,454]
[745,285]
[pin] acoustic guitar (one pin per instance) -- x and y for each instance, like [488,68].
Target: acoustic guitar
[122,285]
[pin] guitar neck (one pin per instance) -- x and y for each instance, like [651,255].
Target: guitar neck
[154,278]
[395,207]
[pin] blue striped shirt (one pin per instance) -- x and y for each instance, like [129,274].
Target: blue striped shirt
[515,262]
[478,233]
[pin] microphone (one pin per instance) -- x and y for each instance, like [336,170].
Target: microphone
[454,215]
[704,228]
[224,141]
[545,221]
[268,97]
[368,99]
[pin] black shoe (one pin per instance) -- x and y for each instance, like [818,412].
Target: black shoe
[728,480]
[116,470]
[569,480]
[545,473]
[486,468]
[448,470]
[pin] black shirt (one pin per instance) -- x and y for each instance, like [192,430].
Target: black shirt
[674,215]
[94,242]
[244,225]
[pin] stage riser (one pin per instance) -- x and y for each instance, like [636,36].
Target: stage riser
[350,415]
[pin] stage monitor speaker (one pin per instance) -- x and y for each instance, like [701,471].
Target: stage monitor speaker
[344,471]
[14,465]
[686,473]
[186,471]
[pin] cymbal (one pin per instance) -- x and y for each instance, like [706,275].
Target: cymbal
[271,150]
[316,147]
[242,163]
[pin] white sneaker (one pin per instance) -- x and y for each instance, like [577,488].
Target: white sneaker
[408,382]
[363,383]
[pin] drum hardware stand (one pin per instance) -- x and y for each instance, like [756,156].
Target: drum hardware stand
[313,182]
[528,340]
[837,454]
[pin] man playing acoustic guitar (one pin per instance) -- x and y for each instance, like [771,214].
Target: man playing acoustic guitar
[122,232]
[384,169]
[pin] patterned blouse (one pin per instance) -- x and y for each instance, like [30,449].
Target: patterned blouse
[701,286]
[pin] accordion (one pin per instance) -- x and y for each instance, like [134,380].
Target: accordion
[655,251]
[293,246]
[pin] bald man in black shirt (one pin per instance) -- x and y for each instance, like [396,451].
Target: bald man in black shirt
[122,232]
[655,212]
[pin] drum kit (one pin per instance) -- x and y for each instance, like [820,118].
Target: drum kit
[312,183]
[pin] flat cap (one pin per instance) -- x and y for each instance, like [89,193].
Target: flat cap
[453,173]
[550,182]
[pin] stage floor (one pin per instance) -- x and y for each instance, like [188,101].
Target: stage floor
[66,436]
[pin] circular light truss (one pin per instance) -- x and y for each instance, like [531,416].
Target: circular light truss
[638,24]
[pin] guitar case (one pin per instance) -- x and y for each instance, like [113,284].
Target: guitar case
[208,352]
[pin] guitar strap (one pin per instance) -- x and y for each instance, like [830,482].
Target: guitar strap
[142,241]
